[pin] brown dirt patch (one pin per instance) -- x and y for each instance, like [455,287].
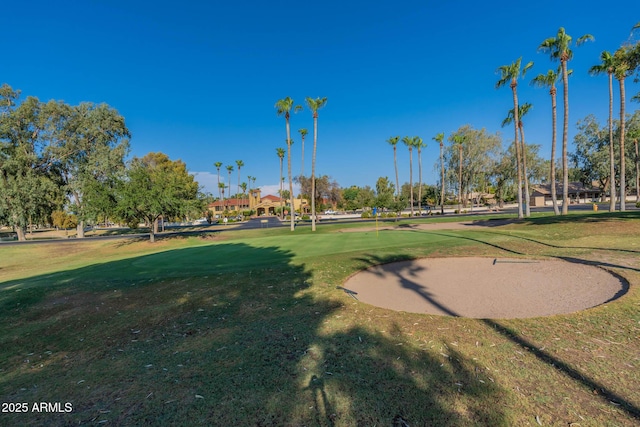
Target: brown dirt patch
[486,287]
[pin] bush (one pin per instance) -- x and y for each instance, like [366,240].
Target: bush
[637,204]
[306,217]
[365,214]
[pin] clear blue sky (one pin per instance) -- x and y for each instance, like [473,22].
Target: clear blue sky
[198,80]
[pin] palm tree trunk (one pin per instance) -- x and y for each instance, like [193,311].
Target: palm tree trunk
[411,180]
[516,120]
[291,211]
[238,192]
[395,164]
[313,172]
[419,183]
[302,167]
[565,136]
[635,142]
[552,172]
[442,183]
[612,156]
[459,178]
[623,189]
[281,201]
[525,176]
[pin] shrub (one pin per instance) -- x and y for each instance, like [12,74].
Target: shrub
[366,214]
[306,217]
[637,204]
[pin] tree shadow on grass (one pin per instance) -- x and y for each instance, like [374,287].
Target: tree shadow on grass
[376,265]
[226,334]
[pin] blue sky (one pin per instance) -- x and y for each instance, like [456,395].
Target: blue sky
[198,80]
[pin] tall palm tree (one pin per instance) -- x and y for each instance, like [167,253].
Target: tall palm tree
[218,165]
[229,170]
[243,187]
[240,164]
[522,110]
[607,66]
[510,74]
[253,178]
[249,180]
[459,140]
[419,146]
[221,188]
[559,48]
[621,72]
[314,105]
[283,108]
[409,142]
[549,80]
[303,134]
[394,142]
[440,138]
[280,152]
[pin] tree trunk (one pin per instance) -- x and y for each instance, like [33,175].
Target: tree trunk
[442,183]
[80,229]
[302,167]
[635,142]
[395,164]
[20,232]
[517,147]
[612,156]
[552,173]
[411,180]
[419,183]
[291,212]
[281,199]
[565,136]
[623,189]
[459,178]
[313,172]
[525,176]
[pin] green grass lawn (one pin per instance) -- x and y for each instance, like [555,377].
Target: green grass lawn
[248,328]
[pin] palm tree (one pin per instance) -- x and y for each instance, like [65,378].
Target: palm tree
[440,138]
[229,170]
[303,134]
[511,73]
[243,186]
[394,142]
[607,66]
[218,165]
[419,145]
[458,140]
[409,142]
[283,108]
[522,110]
[221,188]
[280,152]
[621,72]
[240,164]
[549,80]
[253,178]
[249,180]
[314,105]
[559,48]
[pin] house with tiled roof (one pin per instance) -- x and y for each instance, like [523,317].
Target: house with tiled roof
[260,205]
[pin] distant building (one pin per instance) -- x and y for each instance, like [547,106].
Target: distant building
[260,205]
[578,193]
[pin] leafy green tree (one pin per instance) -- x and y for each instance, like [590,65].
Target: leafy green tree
[384,193]
[439,138]
[156,186]
[326,189]
[549,80]
[314,105]
[394,143]
[63,220]
[559,49]
[89,145]
[30,181]
[283,108]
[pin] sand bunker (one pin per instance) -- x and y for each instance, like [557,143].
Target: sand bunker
[486,287]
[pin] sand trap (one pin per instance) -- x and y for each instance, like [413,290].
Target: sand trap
[486,287]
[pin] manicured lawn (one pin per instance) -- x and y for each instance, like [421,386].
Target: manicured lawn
[249,328]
